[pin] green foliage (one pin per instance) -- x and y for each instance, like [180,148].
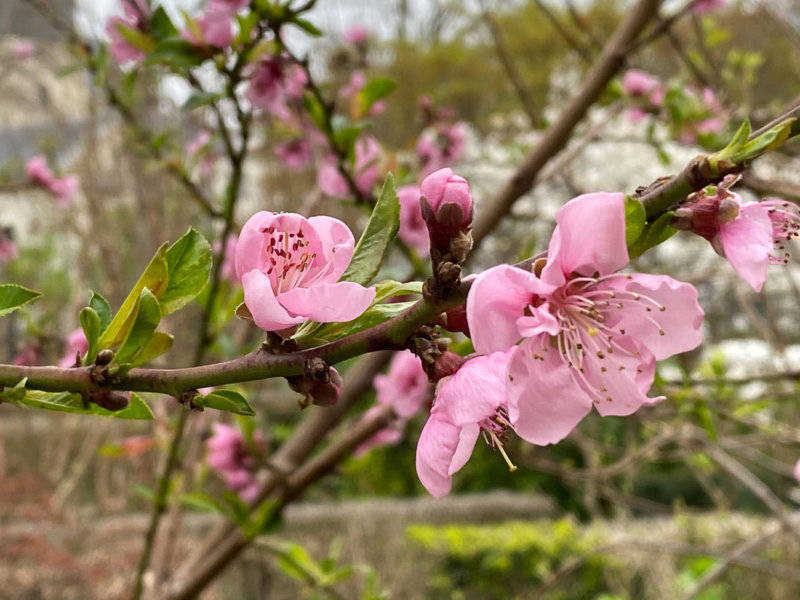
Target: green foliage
[375,89]
[634,220]
[512,560]
[653,234]
[189,265]
[177,53]
[226,400]
[379,233]
[13,296]
[72,403]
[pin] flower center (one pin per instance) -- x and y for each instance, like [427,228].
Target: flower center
[288,261]
[494,429]
[588,316]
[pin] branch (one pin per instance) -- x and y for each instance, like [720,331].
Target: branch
[556,137]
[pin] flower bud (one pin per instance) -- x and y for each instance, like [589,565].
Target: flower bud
[446,201]
[320,384]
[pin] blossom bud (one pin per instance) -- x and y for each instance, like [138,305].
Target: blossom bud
[320,384]
[446,201]
[447,363]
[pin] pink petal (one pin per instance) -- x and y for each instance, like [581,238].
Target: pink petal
[621,379]
[475,391]
[496,300]
[435,450]
[328,302]
[337,244]
[541,320]
[544,402]
[466,444]
[747,243]
[260,300]
[589,237]
[680,320]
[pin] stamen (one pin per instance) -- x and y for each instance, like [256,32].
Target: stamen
[499,445]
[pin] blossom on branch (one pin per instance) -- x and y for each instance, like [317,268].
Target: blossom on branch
[590,336]
[413,230]
[751,236]
[234,460]
[135,14]
[471,401]
[290,268]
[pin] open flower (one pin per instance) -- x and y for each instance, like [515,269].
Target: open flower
[235,460]
[405,389]
[135,14]
[413,230]
[469,402]
[751,236]
[290,268]
[590,336]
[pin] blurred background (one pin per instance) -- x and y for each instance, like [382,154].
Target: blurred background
[692,498]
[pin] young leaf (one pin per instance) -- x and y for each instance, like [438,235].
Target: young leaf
[90,322]
[103,309]
[177,53]
[159,343]
[374,90]
[144,325]
[14,394]
[379,233]
[154,278]
[316,111]
[160,25]
[73,403]
[136,38]
[201,99]
[12,296]
[188,267]
[226,400]
[200,501]
[634,220]
[653,234]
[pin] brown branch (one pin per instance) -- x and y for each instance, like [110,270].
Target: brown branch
[556,137]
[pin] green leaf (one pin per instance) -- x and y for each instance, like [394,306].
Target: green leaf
[200,501]
[160,25]
[329,332]
[705,419]
[154,278]
[188,267]
[246,24]
[346,137]
[90,323]
[307,26]
[136,38]
[635,218]
[374,90]
[316,111]
[12,296]
[653,234]
[379,233]
[734,148]
[177,53]
[148,316]
[201,99]
[73,403]
[103,309]
[14,394]
[769,140]
[226,400]
[159,343]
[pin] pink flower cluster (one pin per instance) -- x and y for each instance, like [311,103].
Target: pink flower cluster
[365,170]
[405,388]
[235,460]
[135,15]
[214,26]
[75,344]
[8,249]
[63,189]
[290,268]
[645,87]
[751,236]
[589,337]
[274,83]
[440,145]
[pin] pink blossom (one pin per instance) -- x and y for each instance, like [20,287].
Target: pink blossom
[290,268]
[357,34]
[365,170]
[22,48]
[274,80]
[440,145]
[447,197]
[229,5]
[233,459]
[590,335]
[64,189]
[468,402]
[709,125]
[75,344]
[215,25]
[134,16]
[751,236]
[357,81]
[636,82]
[703,7]
[295,154]
[413,230]
[404,388]
[38,171]
[8,249]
